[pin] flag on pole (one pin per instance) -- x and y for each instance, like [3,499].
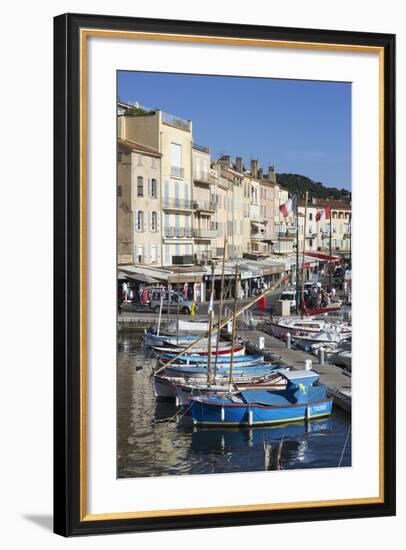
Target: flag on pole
[289,206]
[323,214]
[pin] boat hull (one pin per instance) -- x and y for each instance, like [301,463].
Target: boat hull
[205,413]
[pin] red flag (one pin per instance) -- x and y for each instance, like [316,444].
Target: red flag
[323,214]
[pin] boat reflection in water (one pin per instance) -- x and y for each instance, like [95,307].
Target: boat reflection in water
[155,440]
[302,442]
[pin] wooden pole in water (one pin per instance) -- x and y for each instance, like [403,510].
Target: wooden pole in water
[209,376]
[224,322]
[303,255]
[234,329]
[220,312]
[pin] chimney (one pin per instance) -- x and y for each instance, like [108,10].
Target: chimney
[238,164]
[271,173]
[254,168]
[260,174]
[225,161]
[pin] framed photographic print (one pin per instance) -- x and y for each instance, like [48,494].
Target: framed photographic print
[224,254]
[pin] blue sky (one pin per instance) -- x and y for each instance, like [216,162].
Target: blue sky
[302,127]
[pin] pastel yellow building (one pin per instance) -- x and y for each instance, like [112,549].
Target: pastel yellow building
[172,137]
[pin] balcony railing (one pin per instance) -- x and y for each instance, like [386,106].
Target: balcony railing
[287,235]
[176,121]
[178,233]
[204,233]
[177,172]
[204,177]
[203,255]
[202,148]
[257,236]
[206,206]
[311,235]
[177,204]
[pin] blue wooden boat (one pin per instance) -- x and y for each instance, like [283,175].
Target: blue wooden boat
[200,371]
[299,401]
[221,359]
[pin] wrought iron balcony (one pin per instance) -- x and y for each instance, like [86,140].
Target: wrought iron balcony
[177,172]
[203,177]
[204,233]
[177,204]
[287,235]
[205,206]
[178,233]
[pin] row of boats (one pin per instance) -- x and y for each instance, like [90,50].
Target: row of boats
[218,383]
[311,333]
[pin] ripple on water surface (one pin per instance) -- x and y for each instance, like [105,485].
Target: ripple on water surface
[151,443]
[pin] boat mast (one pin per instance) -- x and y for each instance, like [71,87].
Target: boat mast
[234,329]
[209,376]
[220,312]
[224,321]
[329,265]
[297,255]
[160,311]
[303,255]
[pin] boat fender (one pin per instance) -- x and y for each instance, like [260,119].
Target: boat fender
[222,414]
[250,417]
[308,415]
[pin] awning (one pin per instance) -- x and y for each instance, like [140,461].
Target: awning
[324,257]
[134,276]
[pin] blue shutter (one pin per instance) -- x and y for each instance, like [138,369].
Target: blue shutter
[166,193]
[176,194]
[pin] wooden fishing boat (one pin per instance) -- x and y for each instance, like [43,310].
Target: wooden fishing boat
[151,338]
[299,401]
[166,387]
[184,392]
[203,359]
[225,349]
[201,371]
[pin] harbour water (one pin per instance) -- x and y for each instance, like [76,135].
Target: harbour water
[154,440]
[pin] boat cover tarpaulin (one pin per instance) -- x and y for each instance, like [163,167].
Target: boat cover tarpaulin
[281,398]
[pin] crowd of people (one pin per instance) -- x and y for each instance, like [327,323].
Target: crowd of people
[318,296]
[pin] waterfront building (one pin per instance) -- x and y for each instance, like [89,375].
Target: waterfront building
[172,137]
[318,232]
[230,201]
[138,204]
[285,227]
[267,208]
[204,205]
[257,226]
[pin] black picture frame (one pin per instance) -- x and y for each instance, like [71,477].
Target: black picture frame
[67,297]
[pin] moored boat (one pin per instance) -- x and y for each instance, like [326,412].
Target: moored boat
[297,326]
[299,401]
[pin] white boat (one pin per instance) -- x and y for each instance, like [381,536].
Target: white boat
[189,326]
[296,326]
[327,338]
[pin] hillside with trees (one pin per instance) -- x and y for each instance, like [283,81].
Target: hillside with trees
[295,183]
